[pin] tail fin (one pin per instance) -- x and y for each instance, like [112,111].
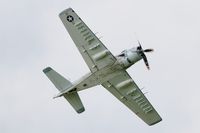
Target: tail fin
[63,84]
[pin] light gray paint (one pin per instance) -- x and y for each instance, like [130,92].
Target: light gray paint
[32,37]
[105,69]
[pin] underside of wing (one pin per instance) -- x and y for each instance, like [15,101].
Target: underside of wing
[95,54]
[125,89]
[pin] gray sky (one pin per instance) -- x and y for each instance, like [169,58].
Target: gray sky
[33,37]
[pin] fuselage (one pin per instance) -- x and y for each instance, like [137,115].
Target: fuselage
[124,60]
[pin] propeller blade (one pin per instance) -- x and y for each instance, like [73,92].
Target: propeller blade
[140,46]
[145,61]
[140,49]
[148,50]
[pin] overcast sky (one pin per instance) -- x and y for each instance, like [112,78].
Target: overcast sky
[33,37]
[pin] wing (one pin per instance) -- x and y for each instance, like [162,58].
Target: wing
[124,88]
[95,54]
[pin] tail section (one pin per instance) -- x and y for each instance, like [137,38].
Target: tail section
[59,81]
[63,84]
[74,99]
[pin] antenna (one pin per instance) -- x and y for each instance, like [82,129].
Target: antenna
[100,37]
[142,88]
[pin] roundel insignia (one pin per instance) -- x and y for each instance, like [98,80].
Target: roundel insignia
[70,18]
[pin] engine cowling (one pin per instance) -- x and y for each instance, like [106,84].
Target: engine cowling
[129,57]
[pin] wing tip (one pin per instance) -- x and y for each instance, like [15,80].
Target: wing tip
[66,11]
[151,124]
[81,110]
[46,70]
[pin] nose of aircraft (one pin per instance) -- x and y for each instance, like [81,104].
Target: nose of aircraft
[141,52]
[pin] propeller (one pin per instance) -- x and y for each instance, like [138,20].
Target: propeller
[141,52]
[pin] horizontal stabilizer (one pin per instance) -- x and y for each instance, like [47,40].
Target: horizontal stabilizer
[63,85]
[59,81]
[74,99]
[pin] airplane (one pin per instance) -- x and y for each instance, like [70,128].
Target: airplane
[105,69]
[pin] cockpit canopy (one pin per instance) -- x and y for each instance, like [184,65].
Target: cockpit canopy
[122,54]
[127,51]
